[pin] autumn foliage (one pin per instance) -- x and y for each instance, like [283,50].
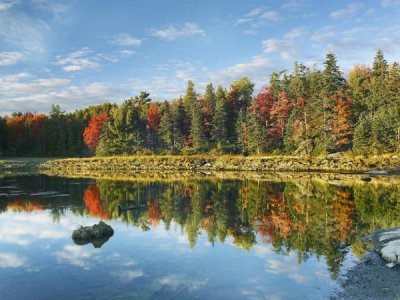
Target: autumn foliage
[25,206]
[153,117]
[342,123]
[91,134]
[93,203]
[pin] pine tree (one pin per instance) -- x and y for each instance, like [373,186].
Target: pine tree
[379,94]
[256,134]
[207,103]
[242,132]
[362,141]
[393,84]
[333,82]
[238,99]
[359,82]
[167,127]
[219,126]
[199,142]
[190,98]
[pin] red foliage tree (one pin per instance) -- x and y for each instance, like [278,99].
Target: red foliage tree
[280,113]
[342,127]
[91,134]
[153,117]
[91,197]
[263,103]
[154,212]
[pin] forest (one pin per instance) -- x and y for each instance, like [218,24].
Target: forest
[307,112]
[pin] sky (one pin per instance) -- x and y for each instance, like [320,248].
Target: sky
[78,53]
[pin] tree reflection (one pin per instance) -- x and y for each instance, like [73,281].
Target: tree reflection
[310,217]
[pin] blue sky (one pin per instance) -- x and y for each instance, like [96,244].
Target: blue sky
[83,52]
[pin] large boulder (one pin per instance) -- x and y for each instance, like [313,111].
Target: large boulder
[97,234]
[387,244]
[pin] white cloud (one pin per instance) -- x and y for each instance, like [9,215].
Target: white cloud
[296,32]
[348,11]
[175,281]
[78,60]
[323,36]
[255,12]
[11,58]
[257,69]
[293,4]
[10,260]
[27,227]
[24,31]
[77,256]
[271,16]
[172,32]
[24,92]
[250,32]
[244,20]
[275,45]
[5,5]
[128,275]
[126,39]
[126,53]
[298,278]
[58,9]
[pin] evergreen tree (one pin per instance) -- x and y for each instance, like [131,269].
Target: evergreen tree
[393,84]
[379,94]
[207,110]
[199,142]
[219,129]
[362,142]
[256,134]
[242,132]
[167,127]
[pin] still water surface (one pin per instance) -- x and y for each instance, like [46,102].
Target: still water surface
[186,239]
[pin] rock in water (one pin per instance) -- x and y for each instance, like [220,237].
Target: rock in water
[387,244]
[97,234]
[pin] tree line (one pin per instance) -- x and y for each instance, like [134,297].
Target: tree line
[305,112]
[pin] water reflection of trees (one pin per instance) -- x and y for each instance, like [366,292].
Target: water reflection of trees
[309,217]
[306,216]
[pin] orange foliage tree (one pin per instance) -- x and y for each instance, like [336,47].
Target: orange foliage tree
[91,197]
[91,134]
[342,128]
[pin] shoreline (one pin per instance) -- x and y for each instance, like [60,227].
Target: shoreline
[330,163]
[203,165]
[369,278]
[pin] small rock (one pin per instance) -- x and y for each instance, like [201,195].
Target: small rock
[92,234]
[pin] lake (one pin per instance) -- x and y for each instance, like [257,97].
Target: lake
[186,238]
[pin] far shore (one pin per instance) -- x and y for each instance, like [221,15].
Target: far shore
[333,163]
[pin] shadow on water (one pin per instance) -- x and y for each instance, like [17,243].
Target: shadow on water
[97,243]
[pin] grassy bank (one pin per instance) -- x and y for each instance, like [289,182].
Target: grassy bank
[123,164]
[200,163]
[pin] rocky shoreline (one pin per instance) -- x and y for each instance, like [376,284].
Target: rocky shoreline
[122,164]
[329,163]
[376,275]
[370,279]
